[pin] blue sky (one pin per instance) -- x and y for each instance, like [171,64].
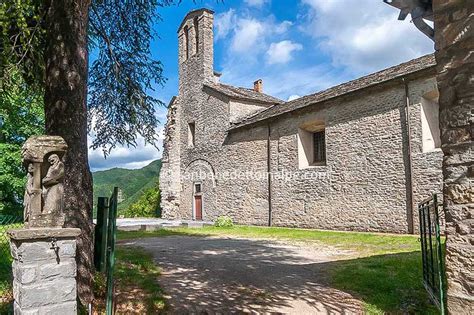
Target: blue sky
[297,47]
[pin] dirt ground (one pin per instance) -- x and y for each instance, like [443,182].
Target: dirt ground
[215,275]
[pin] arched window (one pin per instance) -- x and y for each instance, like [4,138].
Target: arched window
[186,41]
[196,32]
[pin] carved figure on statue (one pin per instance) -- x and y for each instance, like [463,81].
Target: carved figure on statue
[53,186]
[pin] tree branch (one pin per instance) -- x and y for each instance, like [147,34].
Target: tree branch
[104,36]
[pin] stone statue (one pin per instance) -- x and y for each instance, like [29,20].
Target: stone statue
[53,186]
[44,251]
[44,194]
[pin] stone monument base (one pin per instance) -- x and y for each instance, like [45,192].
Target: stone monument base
[44,270]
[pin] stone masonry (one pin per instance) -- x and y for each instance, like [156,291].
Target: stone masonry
[44,270]
[248,145]
[454,36]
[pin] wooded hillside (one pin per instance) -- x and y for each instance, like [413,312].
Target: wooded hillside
[132,183]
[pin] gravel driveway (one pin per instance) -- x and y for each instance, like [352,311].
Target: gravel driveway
[209,275]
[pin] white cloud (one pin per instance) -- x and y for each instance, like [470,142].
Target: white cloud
[256,3]
[282,27]
[252,41]
[224,23]
[249,33]
[281,52]
[127,157]
[363,35]
[293,97]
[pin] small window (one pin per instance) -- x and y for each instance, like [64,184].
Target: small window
[197,188]
[186,41]
[191,134]
[311,145]
[319,147]
[196,33]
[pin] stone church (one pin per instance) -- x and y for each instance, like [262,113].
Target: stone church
[357,156]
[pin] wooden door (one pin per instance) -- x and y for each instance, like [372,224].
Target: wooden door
[198,207]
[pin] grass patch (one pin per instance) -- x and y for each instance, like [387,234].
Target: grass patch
[6,294]
[136,287]
[362,243]
[387,284]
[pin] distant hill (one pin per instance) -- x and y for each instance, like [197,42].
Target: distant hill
[131,183]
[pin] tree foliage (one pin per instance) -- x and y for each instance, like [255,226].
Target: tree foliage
[22,42]
[123,73]
[21,116]
[122,70]
[147,205]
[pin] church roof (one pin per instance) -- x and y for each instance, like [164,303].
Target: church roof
[370,80]
[243,94]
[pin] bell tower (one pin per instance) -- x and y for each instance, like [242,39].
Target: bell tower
[196,49]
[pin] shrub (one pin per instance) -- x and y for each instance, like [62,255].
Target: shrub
[146,206]
[224,221]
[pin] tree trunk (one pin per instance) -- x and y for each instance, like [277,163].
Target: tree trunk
[454,36]
[66,59]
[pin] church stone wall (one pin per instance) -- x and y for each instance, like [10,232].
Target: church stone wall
[241,109]
[170,184]
[363,185]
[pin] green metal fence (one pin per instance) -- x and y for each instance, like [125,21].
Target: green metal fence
[104,243]
[7,222]
[432,252]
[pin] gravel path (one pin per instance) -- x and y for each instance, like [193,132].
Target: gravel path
[216,275]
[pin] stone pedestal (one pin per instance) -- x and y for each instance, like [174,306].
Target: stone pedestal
[44,270]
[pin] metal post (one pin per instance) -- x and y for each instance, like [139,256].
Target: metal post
[426,232]
[432,280]
[100,239]
[111,252]
[422,240]
[440,258]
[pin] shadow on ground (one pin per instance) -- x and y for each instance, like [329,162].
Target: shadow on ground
[207,274]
